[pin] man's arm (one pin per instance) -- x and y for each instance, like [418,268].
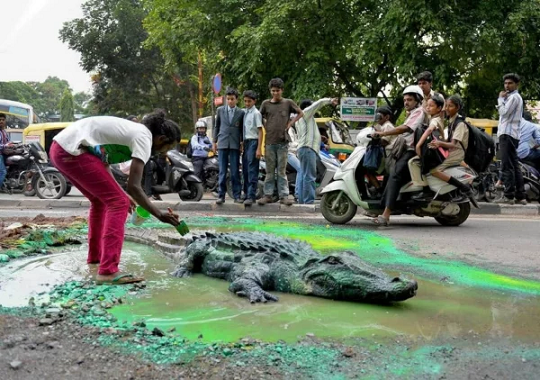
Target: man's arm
[509,106]
[312,109]
[135,190]
[299,114]
[536,135]
[216,128]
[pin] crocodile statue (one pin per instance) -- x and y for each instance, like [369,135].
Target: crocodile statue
[255,263]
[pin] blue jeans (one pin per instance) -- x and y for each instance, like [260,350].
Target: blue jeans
[232,157]
[250,168]
[3,170]
[308,161]
[276,157]
[533,158]
[295,163]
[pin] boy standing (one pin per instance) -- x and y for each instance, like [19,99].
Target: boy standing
[253,136]
[276,113]
[227,140]
[309,144]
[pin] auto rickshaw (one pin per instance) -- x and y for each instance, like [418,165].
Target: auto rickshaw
[488,125]
[337,136]
[43,133]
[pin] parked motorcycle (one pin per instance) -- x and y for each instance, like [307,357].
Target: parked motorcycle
[28,171]
[211,174]
[179,178]
[341,198]
[531,180]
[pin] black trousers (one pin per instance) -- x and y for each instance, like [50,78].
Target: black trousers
[399,176]
[511,174]
[198,167]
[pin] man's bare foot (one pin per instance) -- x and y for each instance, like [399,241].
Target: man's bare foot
[118,279]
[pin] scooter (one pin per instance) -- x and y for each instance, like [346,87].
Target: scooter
[179,178]
[341,198]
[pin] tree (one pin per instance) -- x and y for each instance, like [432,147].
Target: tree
[66,106]
[128,77]
[358,48]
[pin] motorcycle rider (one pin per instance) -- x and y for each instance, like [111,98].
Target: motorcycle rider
[528,133]
[200,146]
[400,175]
[4,141]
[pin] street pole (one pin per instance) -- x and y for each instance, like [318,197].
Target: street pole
[213,108]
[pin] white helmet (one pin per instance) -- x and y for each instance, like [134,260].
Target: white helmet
[414,89]
[201,124]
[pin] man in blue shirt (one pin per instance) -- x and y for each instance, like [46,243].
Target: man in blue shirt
[529,132]
[510,106]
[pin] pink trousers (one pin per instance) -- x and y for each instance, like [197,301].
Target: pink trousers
[109,205]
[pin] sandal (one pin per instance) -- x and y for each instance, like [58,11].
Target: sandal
[381,221]
[121,279]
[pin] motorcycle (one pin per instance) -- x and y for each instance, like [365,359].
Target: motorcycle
[28,171]
[211,174]
[341,198]
[531,181]
[179,178]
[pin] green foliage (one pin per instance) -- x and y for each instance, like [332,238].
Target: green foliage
[130,78]
[356,48]
[66,106]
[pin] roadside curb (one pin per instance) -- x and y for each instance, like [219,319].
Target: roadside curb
[255,209]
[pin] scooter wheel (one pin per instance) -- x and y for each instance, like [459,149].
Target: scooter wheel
[337,207]
[458,219]
[196,192]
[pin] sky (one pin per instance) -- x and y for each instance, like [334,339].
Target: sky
[30,48]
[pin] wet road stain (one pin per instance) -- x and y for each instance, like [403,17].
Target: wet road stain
[471,300]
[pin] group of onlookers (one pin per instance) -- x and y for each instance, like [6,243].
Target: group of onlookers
[238,135]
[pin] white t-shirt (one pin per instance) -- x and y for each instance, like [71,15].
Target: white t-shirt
[112,139]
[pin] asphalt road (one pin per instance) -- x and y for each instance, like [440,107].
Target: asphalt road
[505,244]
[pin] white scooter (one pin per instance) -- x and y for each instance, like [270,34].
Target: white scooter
[341,198]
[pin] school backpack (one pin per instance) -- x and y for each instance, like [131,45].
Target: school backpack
[481,149]
[374,156]
[189,150]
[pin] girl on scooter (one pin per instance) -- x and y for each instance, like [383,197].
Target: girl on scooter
[458,140]
[83,152]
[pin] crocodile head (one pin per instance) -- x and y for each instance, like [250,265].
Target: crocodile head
[346,277]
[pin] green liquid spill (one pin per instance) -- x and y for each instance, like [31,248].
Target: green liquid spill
[202,308]
[373,248]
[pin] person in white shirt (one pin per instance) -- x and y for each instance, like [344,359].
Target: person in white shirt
[510,106]
[83,152]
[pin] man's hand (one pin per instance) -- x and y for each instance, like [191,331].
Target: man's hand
[258,154]
[241,147]
[334,102]
[377,135]
[169,217]
[503,94]
[132,204]
[214,147]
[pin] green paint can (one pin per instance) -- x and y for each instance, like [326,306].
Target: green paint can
[182,228]
[139,216]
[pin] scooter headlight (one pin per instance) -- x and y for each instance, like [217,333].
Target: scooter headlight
[189,165]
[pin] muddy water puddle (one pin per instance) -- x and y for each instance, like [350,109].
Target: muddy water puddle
[202,306]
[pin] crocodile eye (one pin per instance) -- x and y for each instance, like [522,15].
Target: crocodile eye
[396,279]
[333,260]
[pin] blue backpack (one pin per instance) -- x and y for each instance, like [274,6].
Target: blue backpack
[374,156]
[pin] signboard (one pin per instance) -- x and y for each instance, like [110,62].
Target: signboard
[216,83]
[218,101]
[31,138]
[358,109]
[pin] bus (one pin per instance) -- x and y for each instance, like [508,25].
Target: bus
[18,116]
